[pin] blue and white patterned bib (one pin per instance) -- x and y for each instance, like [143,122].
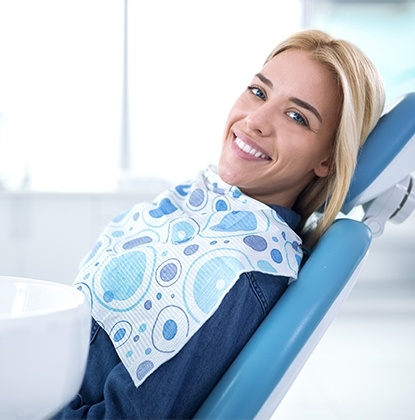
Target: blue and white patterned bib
[159,271]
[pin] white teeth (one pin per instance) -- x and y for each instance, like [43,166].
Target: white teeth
[248,149]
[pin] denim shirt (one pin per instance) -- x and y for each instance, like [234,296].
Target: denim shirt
[178,388]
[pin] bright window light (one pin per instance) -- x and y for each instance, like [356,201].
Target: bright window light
[61,85]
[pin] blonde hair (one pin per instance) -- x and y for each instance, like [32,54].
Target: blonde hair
[362,101]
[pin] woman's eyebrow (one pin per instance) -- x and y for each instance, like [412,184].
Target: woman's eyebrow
[308,106]
[264,80]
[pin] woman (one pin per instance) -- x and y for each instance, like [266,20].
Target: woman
[289,149]
[361,101]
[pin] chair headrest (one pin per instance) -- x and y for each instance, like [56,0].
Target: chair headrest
[387,156]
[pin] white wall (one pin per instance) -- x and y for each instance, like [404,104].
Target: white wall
[46,235]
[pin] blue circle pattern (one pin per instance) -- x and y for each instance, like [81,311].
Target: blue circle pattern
[158,272]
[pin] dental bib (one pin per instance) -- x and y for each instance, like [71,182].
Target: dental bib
[159,271]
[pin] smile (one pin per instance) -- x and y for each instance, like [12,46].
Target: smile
[250,150]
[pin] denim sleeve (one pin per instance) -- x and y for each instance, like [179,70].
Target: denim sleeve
[178,387]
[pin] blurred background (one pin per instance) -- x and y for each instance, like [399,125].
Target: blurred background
[104,103]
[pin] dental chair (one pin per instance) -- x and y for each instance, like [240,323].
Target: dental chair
[382,187]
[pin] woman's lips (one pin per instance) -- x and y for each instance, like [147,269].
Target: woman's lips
[250,150]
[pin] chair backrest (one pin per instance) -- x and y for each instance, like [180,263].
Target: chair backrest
[262,373]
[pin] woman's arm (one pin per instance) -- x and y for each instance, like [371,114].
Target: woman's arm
[177,388]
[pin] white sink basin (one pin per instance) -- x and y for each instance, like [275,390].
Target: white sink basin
[44,341]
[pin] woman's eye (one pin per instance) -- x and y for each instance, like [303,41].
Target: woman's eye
[257,92]
[298,118]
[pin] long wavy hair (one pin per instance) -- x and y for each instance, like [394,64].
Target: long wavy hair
[362,101]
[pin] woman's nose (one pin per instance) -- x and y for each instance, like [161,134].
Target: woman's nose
[261,120]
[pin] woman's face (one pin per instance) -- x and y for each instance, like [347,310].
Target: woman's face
[280,131]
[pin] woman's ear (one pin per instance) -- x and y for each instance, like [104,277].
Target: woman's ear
[324,168]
